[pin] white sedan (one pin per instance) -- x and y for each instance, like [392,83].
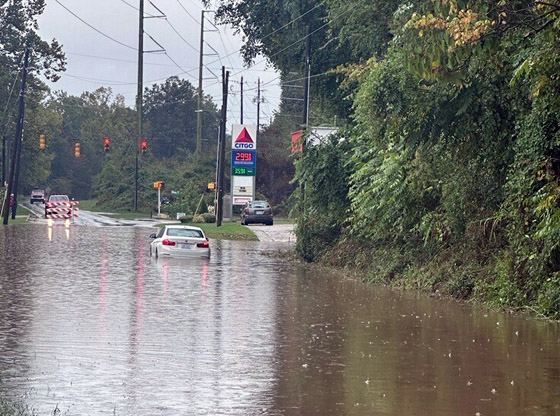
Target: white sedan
[180,241]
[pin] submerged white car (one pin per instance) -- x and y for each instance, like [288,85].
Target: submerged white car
[180,241]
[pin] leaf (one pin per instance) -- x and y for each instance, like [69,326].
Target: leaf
[523,69]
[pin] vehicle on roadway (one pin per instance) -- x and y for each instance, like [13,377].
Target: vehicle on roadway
[179,241]
[257,212]
[37,195]
[59,198]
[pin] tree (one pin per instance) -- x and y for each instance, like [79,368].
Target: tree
[171,118]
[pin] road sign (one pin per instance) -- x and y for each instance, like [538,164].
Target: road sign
[244,137]
[243,171]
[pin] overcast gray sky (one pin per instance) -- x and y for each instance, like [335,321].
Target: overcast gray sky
[95,60]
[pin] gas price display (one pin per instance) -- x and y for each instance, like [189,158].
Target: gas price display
[243,171]
[243,158]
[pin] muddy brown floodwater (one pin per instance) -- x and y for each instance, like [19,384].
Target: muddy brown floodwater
[91,325]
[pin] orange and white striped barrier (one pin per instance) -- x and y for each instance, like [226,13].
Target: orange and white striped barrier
[61,210]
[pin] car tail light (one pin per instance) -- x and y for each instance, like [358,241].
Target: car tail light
[246,210]
[168,243]
[203,245]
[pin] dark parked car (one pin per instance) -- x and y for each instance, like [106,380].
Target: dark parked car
[257,212]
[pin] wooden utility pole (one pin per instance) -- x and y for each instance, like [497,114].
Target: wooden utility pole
[307,79]
[139,92]
[16,152]
[241,100]
[3,160]
[258,106]
[222,149]
[199,107]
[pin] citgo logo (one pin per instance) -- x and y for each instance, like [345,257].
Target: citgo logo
[244,140]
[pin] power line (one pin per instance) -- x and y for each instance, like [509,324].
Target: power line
[178,34]
[186,11]
[135,8]
[90,26]
[286,25]
[124,60]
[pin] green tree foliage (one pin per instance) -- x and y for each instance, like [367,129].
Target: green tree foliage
[275,164]
[171,118]
[453,140]
[323,175]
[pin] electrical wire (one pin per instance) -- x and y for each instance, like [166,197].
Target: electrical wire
[4,118]
[90,26]
[178,34]
[135,8]
[127,61]
[186,11]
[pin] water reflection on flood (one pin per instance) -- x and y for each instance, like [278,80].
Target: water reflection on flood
[91,324]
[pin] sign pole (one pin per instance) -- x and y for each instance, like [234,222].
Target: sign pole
[159,200]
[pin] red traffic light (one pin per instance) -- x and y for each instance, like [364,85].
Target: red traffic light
[106,143]
[144,146]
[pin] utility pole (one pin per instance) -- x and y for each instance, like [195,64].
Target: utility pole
[3,160]
[16,152]
[307,79]
[241,100]
[222,149]
[258,105]
[139,96]
[200,67]
[305,112]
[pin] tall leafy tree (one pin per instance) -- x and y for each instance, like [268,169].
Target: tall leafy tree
[171,118]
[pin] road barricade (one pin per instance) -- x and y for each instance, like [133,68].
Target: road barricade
[61,210]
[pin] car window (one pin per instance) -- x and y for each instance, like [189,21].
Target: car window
[160,234]
[181,232]
[55,198]
[259,205]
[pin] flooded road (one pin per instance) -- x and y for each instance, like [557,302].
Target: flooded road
[91,325]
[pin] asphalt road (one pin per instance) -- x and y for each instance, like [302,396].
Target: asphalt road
[278,233]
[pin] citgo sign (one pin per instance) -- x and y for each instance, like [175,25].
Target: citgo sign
[244,137]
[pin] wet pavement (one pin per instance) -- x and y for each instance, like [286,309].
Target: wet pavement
[91,325]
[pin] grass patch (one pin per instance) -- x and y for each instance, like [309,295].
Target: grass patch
[127,215]
[21,218]
[228,231]
[91,205]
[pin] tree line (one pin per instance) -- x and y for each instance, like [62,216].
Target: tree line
[446,175]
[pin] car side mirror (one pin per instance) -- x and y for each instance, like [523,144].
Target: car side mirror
[153,236]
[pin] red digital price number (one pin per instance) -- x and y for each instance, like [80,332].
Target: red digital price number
[243,157]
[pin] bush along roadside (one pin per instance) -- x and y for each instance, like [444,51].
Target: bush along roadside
[397,221]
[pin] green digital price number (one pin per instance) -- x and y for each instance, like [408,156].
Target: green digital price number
[242,171]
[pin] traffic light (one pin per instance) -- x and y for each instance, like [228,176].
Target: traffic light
[42,141]
[106,144]
[144,146]
[77,149]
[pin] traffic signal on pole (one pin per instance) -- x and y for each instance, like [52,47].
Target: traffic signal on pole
[42,141]
[144,146]
[106,144]
[77,149]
